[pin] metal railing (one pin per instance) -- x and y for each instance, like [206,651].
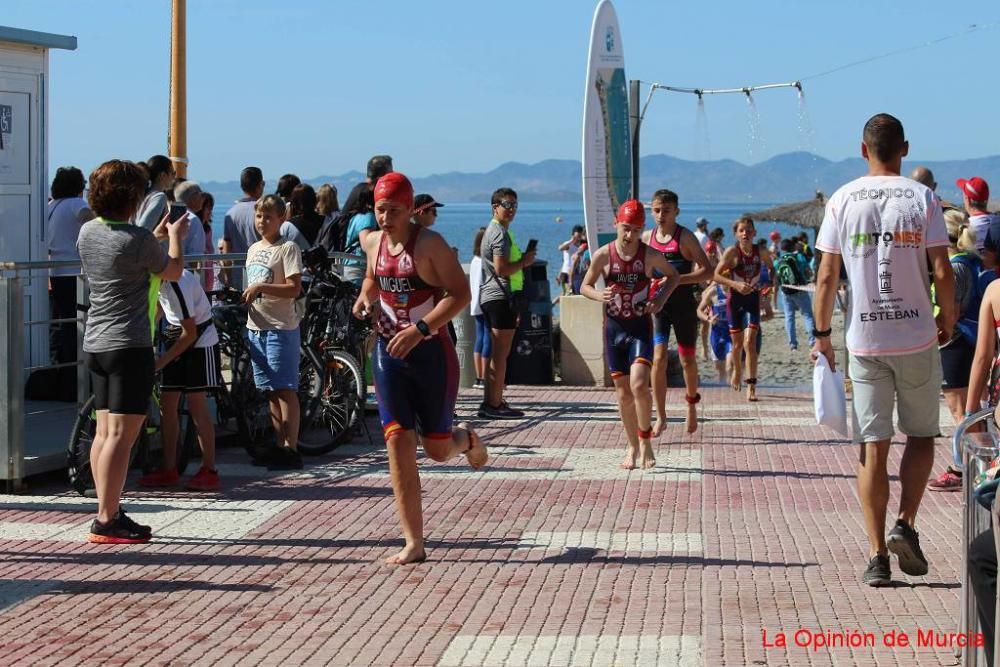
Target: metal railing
[13,370]
[971,453]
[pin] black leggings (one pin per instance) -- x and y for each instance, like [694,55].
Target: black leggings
[62,304]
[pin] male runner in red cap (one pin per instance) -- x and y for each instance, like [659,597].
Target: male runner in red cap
[627,265]
[415,365]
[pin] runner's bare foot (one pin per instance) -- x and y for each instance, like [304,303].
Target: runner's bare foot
[630,457]
[409,554]
[648,458]
[476,454]
[692,418]
[735,381]
[661,423]
[752,393]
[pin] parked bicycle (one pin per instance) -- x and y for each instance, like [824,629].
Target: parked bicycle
[240,407]
[145,454]
[332,386]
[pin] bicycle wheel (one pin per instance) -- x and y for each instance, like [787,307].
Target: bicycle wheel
[351,382]
[334,412]
[315,436]
[188,447]
[249,405]
[81,439]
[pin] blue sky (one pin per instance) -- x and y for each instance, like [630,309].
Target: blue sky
[316,87]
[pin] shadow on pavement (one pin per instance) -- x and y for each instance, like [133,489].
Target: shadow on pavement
[173,559]
[128,586]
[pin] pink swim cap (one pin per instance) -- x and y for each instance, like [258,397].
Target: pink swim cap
[395,187]
[632,212]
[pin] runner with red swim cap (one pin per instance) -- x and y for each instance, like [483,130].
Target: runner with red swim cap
[627,266]
[681,248]
[415,365]
[743,262]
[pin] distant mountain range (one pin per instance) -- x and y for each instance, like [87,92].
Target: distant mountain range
[786,177]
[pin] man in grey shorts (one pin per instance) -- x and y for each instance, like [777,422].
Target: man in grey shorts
[884,228]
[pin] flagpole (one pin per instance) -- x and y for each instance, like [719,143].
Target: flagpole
[177,133]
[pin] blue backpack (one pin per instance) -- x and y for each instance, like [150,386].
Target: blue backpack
[968,320]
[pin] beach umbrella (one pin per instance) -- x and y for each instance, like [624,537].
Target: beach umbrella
[808,213]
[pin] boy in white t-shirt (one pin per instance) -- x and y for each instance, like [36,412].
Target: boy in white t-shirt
[274,281]
[884,227]
[190,367]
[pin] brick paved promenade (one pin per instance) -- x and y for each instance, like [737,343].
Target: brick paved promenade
[552,556]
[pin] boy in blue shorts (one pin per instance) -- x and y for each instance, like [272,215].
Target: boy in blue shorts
[628,266]
[274,281]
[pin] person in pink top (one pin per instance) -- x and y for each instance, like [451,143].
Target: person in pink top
[883,228]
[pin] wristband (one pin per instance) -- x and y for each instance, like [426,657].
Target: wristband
[969,414]
[822,334]
[423,328]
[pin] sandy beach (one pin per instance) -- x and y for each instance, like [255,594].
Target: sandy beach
[778,364]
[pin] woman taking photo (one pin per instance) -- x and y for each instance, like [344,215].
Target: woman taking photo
[124,265]
[154,206]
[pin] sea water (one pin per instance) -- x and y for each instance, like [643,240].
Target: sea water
[552,223]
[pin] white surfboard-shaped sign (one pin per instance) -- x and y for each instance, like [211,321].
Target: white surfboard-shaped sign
[607,146]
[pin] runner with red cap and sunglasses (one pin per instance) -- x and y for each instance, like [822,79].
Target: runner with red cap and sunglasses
[415,364]
[628,266]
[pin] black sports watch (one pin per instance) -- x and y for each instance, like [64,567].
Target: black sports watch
[423,328]
[822,334]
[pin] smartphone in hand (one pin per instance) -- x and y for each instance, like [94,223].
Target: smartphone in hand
[177,212]
[532,246]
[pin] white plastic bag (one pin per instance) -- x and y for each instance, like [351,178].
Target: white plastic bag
[829,397]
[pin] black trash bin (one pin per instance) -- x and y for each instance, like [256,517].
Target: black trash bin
[531,358]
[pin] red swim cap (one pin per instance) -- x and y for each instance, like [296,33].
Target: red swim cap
[775,235]
[395,187]
[632,213]
[710,246]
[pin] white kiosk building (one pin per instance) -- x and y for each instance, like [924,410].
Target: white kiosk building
[24,185]
[24,179]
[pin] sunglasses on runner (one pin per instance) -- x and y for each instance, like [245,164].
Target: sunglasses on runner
[508,205]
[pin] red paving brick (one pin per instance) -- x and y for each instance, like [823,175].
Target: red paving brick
[780,547]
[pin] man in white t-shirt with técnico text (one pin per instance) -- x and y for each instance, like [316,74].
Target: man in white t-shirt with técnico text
[885,228]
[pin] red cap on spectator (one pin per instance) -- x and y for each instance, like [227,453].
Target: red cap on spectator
[632,213]
[395,187]
[975,188]
[775,235]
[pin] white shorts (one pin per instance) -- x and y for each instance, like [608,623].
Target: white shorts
[911,382]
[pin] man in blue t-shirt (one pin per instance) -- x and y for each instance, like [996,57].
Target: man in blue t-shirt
[239,232]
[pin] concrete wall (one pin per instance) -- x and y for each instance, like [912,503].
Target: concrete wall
[581,327]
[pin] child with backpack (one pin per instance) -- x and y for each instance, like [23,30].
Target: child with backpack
[788,275]
[971,281]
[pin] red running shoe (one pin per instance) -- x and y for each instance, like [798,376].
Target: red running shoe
[159,479]
[947,481]
[204,480]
